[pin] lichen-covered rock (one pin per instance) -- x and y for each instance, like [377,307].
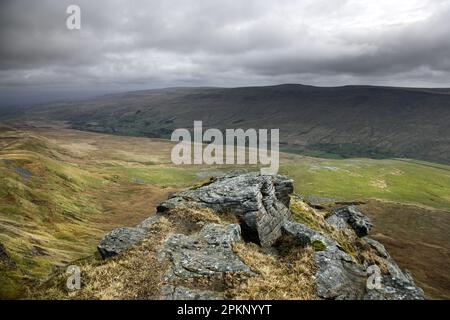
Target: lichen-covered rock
[216,234]
[208,253]
[395,289]
[338,276]
[306,236]
[283,188]
[121,239]
[350,217]
[260,201]
[379,248]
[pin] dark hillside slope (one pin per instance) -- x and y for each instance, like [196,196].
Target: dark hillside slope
[347,121]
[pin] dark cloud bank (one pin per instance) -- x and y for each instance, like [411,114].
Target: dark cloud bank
[126,45]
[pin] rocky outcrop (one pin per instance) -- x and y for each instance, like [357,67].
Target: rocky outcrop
[339,276]
[261,202]
[350,217]
[395,289]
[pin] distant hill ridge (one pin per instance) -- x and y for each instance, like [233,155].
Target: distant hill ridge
[347,121]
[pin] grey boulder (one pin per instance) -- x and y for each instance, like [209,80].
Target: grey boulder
[350,217]
[121,239]
[307,236]
[338,276]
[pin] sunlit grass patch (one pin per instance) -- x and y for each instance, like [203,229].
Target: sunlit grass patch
[350,179]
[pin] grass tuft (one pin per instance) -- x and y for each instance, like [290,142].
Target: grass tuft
[277,278]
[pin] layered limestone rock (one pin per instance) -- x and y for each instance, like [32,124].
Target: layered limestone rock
[261,202]
[338,276]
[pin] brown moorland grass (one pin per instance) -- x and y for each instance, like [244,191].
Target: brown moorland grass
[135,274]
[418,239]
[277,277]
[138,274]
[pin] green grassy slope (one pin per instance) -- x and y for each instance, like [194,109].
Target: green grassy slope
[403,181]
[43,210]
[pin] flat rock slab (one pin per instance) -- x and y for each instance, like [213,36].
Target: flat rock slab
[206,254]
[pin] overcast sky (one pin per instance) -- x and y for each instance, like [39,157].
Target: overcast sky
[135,44]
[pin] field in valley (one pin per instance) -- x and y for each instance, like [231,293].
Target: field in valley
[62,189]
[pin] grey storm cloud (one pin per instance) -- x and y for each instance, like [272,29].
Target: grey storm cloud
[225,42]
